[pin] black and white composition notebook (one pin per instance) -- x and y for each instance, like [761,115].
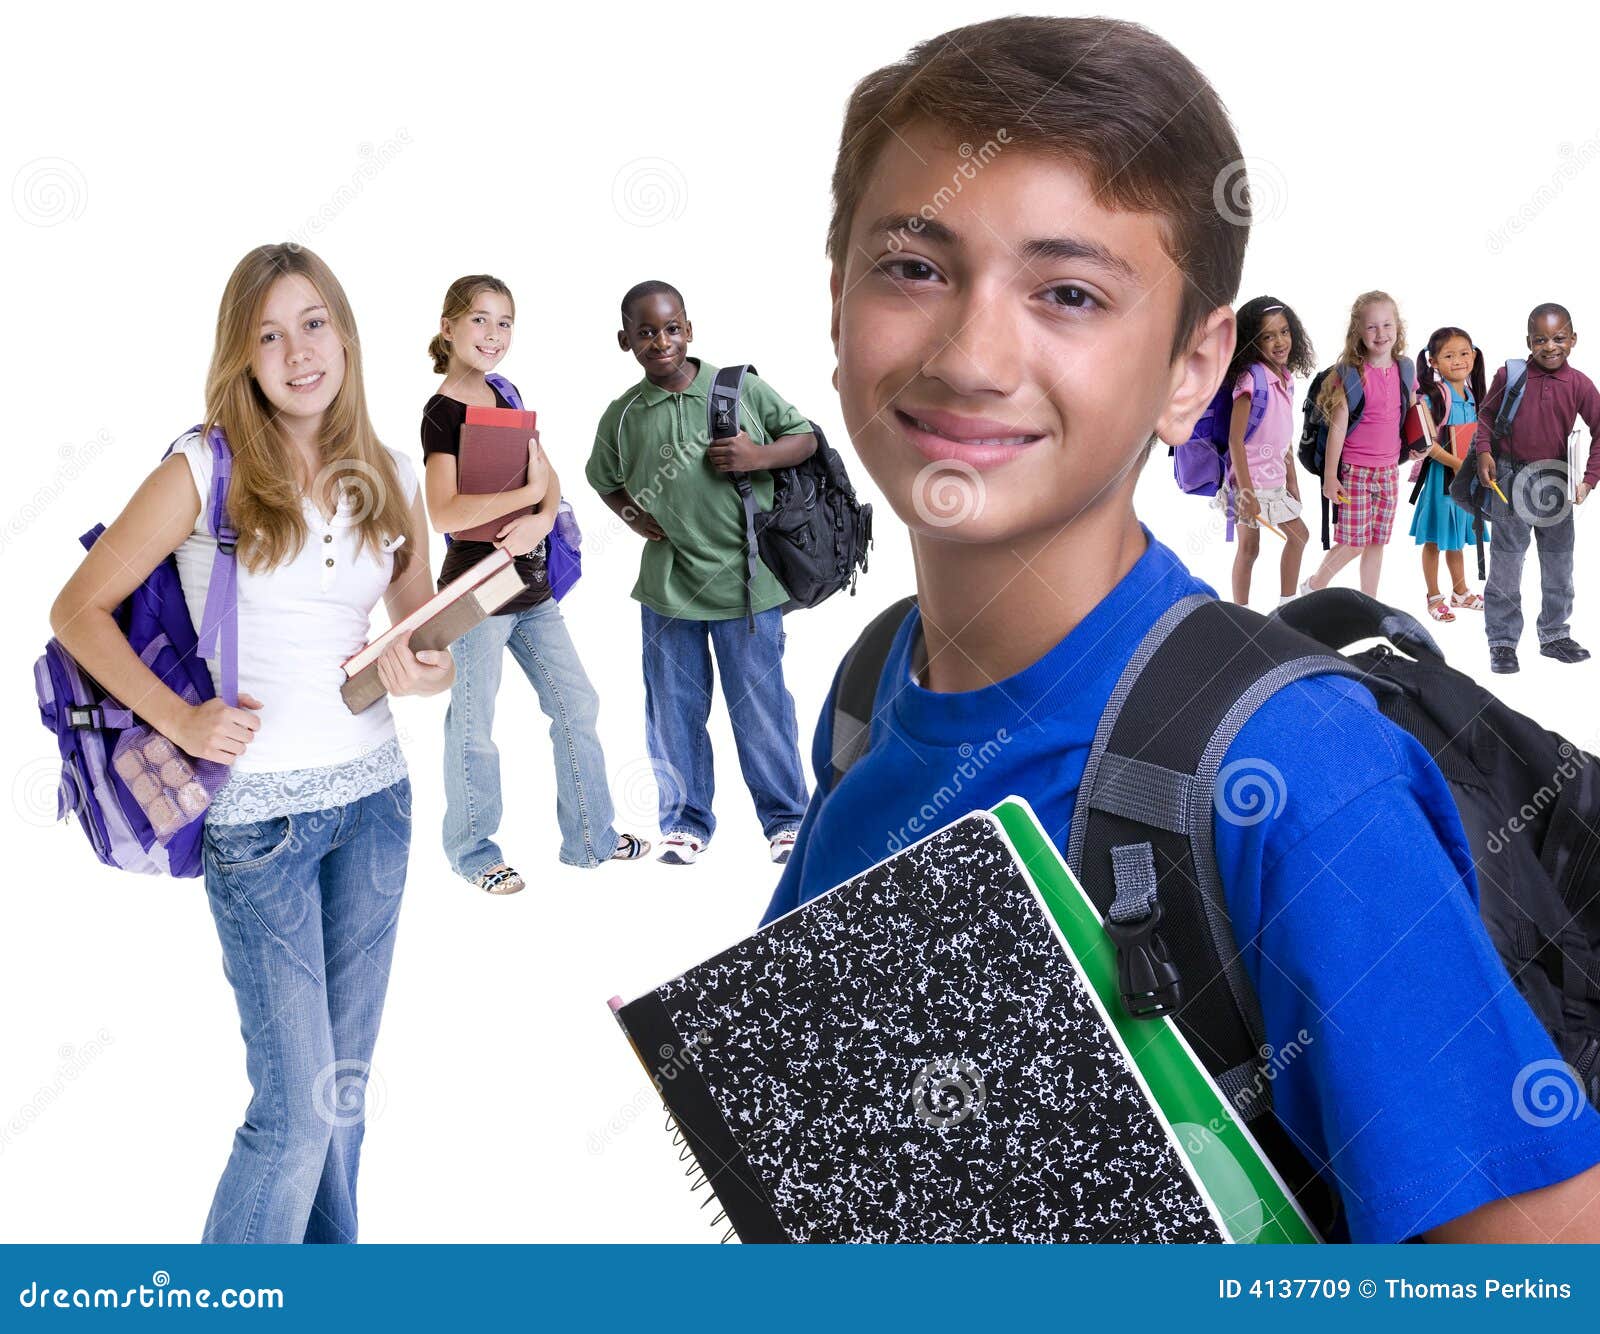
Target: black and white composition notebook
[915,1056]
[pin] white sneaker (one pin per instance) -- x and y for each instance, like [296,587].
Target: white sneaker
[781,844]
[1305,588]
[680,848]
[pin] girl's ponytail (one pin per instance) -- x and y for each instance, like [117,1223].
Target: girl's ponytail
[1478,380]
[439,350]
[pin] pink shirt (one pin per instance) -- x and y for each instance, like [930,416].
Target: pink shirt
[1267,448]
[1374,441]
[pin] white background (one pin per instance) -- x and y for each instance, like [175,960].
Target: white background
[573,151]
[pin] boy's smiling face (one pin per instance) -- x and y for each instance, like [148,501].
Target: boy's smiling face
[1003,361]
[1551,339]
[658,334]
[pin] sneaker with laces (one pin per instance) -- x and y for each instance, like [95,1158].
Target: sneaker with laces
[1503,659]
[1564,650]
[680,848]
[781,844]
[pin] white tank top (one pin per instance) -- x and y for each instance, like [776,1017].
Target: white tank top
[298,622]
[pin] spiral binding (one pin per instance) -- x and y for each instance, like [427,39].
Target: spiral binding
[698,1178]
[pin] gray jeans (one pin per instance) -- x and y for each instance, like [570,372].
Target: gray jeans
[1540,511]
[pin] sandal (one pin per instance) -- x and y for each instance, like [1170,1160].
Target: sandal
[1471,601]
[499,879]
[1439,609]
[629,848]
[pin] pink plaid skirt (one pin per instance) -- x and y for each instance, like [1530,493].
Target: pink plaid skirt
[1373,495]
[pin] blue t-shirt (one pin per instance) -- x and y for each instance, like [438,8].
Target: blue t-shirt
[1353,899]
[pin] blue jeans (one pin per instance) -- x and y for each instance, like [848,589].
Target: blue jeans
[306,907]
[539,641]
[677,703]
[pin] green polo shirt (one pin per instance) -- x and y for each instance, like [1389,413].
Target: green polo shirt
[652,443]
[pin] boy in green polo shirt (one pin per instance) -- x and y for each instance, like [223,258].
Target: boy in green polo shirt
[654,464]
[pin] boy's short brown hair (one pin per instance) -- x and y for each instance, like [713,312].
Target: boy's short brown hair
[1118,102]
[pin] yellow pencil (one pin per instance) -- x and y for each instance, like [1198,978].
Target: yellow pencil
[1498,491]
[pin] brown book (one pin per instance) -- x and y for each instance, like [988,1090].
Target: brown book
[493,458]
[456,608]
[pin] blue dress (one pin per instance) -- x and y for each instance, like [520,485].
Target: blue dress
[1438,519]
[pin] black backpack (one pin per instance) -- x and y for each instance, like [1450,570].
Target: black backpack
[1141,833]
[1465,489]
[816,535]
[1313,447]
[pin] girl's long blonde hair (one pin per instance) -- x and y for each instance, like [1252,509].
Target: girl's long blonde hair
[1354,355]
[264,498]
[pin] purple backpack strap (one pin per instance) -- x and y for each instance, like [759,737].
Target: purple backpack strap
[1258,398]
[507,390]
[218,631]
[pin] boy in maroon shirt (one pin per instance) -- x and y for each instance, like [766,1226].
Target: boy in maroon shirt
[1529,465]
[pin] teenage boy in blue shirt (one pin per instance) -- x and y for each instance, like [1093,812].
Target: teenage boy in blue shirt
[1018,317]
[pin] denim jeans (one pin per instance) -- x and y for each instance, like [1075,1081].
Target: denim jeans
[1553,534]
[306,907]
[677,694]
[539,641]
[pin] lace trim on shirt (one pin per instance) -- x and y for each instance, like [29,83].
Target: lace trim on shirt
[246,798]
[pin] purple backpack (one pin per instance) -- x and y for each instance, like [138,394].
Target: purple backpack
[1200,462]
[88,723]
[563,561]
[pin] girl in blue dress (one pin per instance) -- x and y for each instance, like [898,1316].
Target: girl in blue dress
[1450,380]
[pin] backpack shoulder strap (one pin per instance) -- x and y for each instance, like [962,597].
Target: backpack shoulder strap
[508,391]
[722,401]
[1142,836]
[1141,843]
[1355,392]
[857,689]
[722,421]
[1408,376]
[217,635]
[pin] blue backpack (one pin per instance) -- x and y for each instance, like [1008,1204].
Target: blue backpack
[563,562]
[1200,462]
[87,722]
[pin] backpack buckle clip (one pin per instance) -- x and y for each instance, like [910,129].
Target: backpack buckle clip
[83,716]
[1146,975]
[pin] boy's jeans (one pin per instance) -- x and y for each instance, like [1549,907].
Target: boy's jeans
[539,641]
[677,694]
[306,908]
[1509,534]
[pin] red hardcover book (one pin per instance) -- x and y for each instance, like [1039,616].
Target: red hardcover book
[493,459]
